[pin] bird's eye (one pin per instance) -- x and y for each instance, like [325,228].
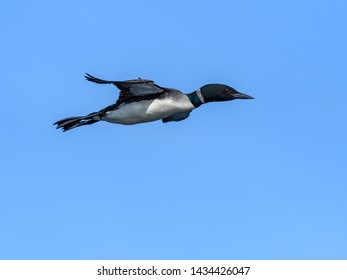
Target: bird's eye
[227,90]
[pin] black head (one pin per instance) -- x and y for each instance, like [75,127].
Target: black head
[218,92]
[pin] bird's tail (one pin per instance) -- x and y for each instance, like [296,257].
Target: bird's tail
[72,122]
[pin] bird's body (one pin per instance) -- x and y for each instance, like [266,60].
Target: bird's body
[143,101]
[150,110]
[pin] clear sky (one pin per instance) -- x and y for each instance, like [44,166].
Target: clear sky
[247,179]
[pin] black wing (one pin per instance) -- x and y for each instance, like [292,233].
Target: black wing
[131,88]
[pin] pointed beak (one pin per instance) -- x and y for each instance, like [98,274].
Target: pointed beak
[240,95]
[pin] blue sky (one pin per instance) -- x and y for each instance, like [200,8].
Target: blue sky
[247,179]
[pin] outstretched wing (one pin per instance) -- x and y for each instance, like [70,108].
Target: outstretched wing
[131,88]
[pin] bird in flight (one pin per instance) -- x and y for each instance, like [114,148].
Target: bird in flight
[142,101]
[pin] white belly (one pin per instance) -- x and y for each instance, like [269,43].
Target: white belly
[147,111]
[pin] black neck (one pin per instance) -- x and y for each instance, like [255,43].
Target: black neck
[194,98]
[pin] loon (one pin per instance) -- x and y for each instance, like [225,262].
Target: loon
[142,100]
